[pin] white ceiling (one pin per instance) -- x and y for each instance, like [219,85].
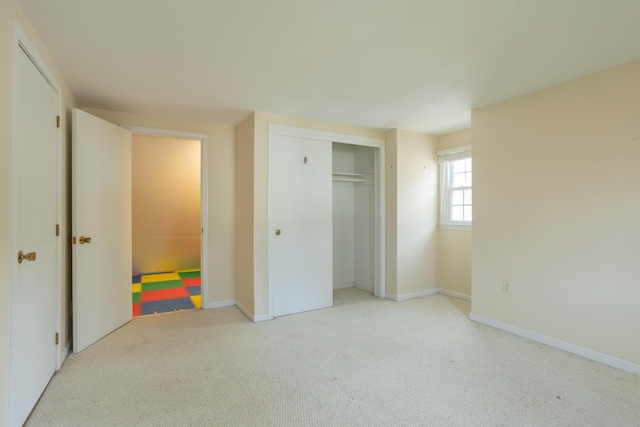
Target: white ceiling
[422,63]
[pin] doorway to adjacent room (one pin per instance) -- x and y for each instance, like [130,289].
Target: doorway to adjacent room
[166,223]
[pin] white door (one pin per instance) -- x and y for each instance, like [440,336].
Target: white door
[101,226]
[300,234]
[33,329]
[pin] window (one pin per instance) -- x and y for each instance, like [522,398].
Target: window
[455,188]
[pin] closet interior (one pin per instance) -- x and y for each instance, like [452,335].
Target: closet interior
[354,201]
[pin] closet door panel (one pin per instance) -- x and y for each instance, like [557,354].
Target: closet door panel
[300,224]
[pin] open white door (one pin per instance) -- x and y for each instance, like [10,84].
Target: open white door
[300,224]
[101,224]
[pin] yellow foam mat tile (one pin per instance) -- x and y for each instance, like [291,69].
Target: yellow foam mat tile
[188,271]
[197,301]
[136,288]
[164,277]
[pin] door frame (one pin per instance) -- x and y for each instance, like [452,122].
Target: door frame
[380,201]
[21,42]
[204,195]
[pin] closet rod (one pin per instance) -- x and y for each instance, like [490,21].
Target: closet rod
[349,177]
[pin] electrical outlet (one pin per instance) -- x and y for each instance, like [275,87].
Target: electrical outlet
[506,287]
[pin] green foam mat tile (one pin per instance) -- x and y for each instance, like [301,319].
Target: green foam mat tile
[155,286]
[136,297]
[189,274]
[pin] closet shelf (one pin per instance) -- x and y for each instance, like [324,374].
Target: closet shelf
[349,177]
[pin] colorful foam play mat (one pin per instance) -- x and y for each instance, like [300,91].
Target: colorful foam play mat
[165,292]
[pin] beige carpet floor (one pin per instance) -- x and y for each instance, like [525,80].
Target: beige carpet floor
[364,362]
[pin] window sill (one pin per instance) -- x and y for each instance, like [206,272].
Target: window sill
[457,227]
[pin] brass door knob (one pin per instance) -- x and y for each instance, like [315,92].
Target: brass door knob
[31,256]
[84,240]
[277,232]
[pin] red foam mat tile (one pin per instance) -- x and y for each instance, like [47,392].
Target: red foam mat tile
[194,281]
[163,294]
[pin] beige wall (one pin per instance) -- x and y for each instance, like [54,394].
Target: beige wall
[221,194]
[391,188]
[245,138]
[454,246]
[412,197]
[454,139]
[5,209]
[9,9]
[556,212]
[165,208]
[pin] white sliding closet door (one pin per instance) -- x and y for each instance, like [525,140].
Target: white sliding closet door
[300,224]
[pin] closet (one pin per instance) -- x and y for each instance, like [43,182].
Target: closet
[353,216]
[325,217]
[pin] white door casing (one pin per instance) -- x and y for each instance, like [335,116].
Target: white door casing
[101,211]
[301,236]
[35,211]
[204,197]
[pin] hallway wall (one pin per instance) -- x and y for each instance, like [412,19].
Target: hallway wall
[165,190]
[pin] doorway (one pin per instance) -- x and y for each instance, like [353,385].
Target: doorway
[167,221]
[354,215]
[165,211]
[142,131]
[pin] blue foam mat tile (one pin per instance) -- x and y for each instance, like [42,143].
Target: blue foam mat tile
[165,306]
[137,278]
[193,290]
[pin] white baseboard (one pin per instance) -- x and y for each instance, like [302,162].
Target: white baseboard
[552,342]
[261,318]
[219,304]
[343,285]
[244,310]
[455,294]
[363,288]
[250,315]
[412,295]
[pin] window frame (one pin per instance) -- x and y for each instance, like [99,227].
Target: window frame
[445,160]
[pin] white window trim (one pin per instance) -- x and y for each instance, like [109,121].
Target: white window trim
[445,156]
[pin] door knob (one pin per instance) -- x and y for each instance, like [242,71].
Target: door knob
[277,232]
[84,240]
[30,256]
